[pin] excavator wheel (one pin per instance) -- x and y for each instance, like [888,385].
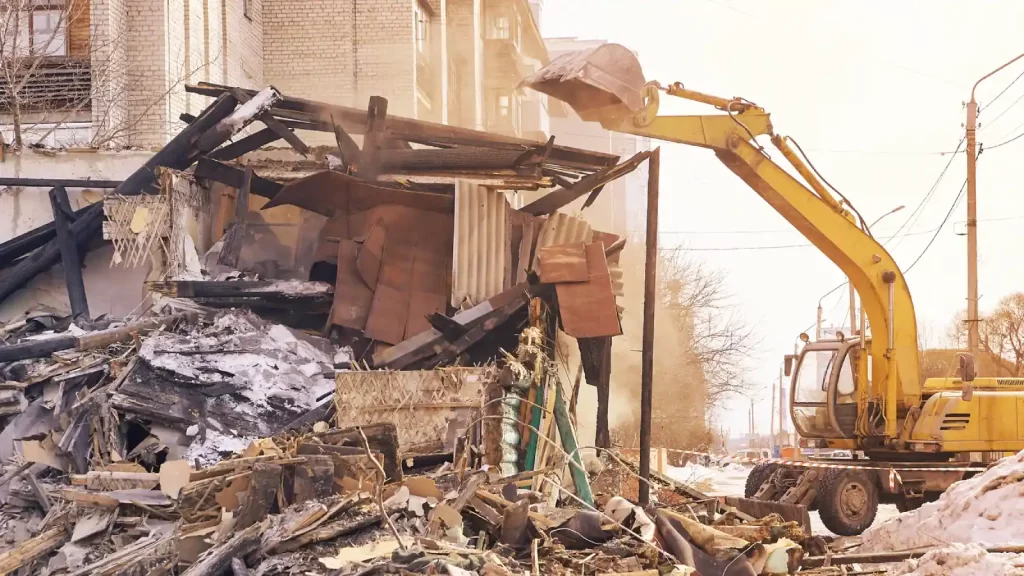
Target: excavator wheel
[757,476]
[847,501]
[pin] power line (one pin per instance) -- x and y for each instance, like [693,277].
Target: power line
[1004,143]
[919,209]
[1007,109]
[993,101]
[939,229]
[793,231]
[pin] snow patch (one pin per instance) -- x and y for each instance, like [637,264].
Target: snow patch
[217,447]
[962,560]
[987,509]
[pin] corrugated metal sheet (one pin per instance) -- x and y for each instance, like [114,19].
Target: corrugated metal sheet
[561,228]
[482,259]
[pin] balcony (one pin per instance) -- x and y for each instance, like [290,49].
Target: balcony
[50,83]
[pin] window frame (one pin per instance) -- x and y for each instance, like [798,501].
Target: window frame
[38,8]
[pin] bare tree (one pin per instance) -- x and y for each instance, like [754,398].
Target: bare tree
[721,343]
[1000,334]
[56,67]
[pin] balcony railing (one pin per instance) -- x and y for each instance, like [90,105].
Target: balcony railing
[50,83]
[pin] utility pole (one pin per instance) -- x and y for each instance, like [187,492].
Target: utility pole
[972,214]
[771,425]
[782,410]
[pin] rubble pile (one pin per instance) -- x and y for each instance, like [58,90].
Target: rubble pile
[188,448]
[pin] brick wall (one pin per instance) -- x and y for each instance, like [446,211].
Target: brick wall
[341,51]
[108,27]
[463,37]
[308,48]
[243,44]
[386,54]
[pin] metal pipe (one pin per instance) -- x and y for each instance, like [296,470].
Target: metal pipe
[889,277]
[650,290]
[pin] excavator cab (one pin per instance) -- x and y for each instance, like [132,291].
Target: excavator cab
[824,389]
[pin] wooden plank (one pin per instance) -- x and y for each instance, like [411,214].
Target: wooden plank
[568,437]
[32,549]
[587,309]
[262,493]
[563,263]
[314,479]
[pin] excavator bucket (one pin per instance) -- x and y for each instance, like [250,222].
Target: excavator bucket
[606,81]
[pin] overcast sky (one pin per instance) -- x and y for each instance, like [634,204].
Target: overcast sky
[873,91]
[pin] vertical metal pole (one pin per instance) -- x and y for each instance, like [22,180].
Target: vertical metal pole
[650,289]
[972,213]
[782,410]
[817,325]
[972,229]
[853,308]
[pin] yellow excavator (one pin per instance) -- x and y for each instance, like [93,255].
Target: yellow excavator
[860,393]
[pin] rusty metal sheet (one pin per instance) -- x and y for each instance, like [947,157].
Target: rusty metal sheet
[330,193]
[352,297]
[482,259]
[559,228]
[588,309]
[563,263]
[413,278]
[370,256]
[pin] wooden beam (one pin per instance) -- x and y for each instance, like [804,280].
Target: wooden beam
[19,246]
[354,122]
[54,182]
[376,120]
[241,147]
[556,199]
[69,256]
[220,172]
[346,145]
[281,130]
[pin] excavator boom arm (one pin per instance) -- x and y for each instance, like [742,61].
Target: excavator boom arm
[810,207]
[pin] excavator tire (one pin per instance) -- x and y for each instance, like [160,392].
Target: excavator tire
[757,476]
[847,501]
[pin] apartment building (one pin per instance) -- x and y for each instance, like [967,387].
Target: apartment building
[111,72]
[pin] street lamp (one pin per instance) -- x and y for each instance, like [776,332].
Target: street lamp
[972,215]
[853,292]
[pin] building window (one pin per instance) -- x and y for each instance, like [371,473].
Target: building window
[499,29]
[422,28]
[247,8]
[48,32]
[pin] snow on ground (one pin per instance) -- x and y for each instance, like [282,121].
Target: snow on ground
[730,481]
[962,560]
[987,509]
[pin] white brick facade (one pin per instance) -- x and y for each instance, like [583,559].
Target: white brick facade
[337,51]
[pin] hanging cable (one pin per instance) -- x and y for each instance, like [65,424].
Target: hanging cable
[939,229]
